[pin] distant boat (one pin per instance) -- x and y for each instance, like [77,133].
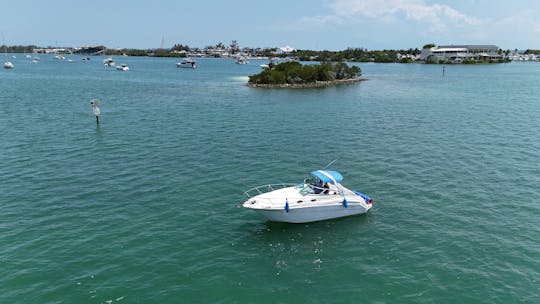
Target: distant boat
[109,62]
[122,67]
[8,65]
[270,64]
[187,63]
[59,57]
[241,60]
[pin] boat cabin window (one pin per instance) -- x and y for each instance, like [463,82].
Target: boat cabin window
[314,184]
[311,180]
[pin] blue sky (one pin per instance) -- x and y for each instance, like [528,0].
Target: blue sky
[303,24]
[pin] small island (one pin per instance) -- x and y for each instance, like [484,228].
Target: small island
[295,75]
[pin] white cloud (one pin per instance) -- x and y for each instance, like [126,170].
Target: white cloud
[438,16]
[519,30]
[411,21]
[521,21]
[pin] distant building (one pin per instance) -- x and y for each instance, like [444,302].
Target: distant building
[458,53]
[285,50]
[51,50]
[89,50]
[218,52]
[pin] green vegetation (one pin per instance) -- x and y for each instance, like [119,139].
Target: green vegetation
[527,52]
[18,48]
[137,52]
[180,47]
[295,73]
[129,52]
[354,54]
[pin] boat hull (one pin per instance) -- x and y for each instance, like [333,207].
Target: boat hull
[186,65]
[312,214]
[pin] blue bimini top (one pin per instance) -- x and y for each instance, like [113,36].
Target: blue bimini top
[328,176]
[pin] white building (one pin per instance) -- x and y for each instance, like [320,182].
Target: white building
[458,53]
[285,50]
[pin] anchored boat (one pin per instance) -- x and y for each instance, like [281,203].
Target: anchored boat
[320,197]
[109,62]
[122,67]
[187,63]
[8,65]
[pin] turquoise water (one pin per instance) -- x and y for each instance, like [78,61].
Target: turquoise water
[142,208]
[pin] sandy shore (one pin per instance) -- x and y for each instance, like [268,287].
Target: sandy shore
[318,84]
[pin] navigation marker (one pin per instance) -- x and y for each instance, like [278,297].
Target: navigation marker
[95,108]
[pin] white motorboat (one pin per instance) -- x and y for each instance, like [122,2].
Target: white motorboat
[320,197]
[271,64]
[122,67]
[7,64]
[187,63]
[109,62]
[241,60]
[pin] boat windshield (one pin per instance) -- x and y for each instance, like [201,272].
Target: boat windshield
[313,185]
[306,189]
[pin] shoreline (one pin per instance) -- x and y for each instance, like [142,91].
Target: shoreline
[317,84]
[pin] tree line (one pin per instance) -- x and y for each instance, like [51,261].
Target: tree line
[354,54]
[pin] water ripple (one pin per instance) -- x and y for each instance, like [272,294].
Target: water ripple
[143,206]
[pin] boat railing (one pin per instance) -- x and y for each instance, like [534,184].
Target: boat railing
[266,188]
